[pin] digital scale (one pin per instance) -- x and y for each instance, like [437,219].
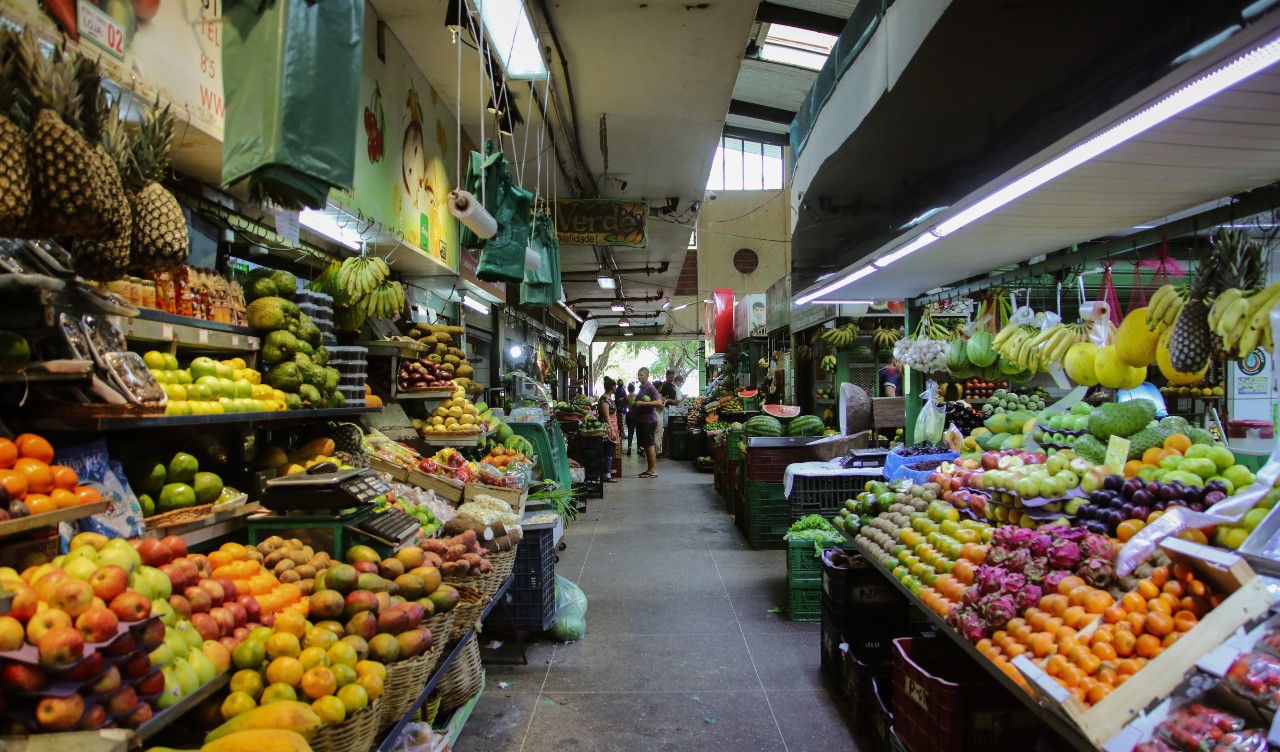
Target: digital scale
[866,457]
[339,502]
[344,489]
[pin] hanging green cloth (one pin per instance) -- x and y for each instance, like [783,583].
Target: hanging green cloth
[291,71]
[501,256]
[541,285]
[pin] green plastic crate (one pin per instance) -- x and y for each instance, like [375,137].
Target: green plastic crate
[804,602]
[802,565]
[733,445]
[767,532]
[767,500]
[680,445]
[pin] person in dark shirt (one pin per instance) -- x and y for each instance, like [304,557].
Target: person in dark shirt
[606,414]
[891,379]
[629,402]
[646,408]
[670,395]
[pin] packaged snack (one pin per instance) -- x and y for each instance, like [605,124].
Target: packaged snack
[1155,745]
[1256,676]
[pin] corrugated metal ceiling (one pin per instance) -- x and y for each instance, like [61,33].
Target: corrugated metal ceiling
[841,8]
[773,84]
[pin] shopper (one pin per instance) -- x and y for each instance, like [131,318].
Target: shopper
[891,379]
[679,388]
[670,395]
[607,415]
[649,404]
[631,415]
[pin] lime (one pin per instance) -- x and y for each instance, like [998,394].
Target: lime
[146,476]
[208,487]
[155,360]
[182,468]
[330,709]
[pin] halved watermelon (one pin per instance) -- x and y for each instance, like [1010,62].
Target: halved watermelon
[747,393]
[782,411]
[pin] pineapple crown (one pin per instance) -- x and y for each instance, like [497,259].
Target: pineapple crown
[151,147]
[1241,260]
[93,100]
[15,104]
[116,139]
[49,80]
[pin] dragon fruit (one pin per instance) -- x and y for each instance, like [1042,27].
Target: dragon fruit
[973,627]
[1054,577]
[1097,572]
[1073,534]
[971,596]
[989,579]
[998,610]
[998,555]
[954,613]
[1040,544]
[1022,537]
[1013,582]
[1004,537]
[1036,569]
[1065,554]
[1027,597]
[1097,547]
[1018,560]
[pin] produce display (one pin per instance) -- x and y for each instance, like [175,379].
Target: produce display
[423,376]
[453,416]
[1001,401]
[361,288]
[176,483]
[440,340]
[207,386]
[982,389]
[292,347]
[31,485]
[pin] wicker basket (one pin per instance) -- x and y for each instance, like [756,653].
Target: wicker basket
[178,516]
[357,732]
[502,562]
[462,681]
[440,626]
[471,603]
[430,710]
[405,680]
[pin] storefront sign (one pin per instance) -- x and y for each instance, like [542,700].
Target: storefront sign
[602,222]
[723,327]
[405,150]
[749,317]
[101,29]
[803,317]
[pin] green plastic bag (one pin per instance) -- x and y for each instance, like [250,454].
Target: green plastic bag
[291,71]
[541,285]
[501,256]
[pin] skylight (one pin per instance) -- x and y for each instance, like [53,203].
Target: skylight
[793,46]
[513,38]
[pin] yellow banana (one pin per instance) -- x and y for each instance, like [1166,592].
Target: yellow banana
[1220,304]
[1153,306]
[1231,319]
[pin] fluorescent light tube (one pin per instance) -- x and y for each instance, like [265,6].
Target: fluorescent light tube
[326,225]
[828,289]
[618,307]
[513,38]
[474,304]
[666,304]
[680,307]
[846,302]
[607,282]
[905,250]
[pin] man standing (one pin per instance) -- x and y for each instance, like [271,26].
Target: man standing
[670,394]
[647,406]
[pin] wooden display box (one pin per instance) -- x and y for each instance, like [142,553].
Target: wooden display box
[1225,572]
[446,488]
[514,497]
[397,472]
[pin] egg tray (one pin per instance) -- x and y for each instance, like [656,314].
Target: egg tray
[30,656]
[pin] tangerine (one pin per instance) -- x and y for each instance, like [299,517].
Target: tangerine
[1071,676]
[34,447]
[1105,651]
[1069,583]
[1098,601]
[64,477]
[64,499]
[1134,603]
[1097,692]
[1114,615]
[1107,675]
[39,478]
[1160,604]
[39,504]
[1089,663]
[318,682]
[14,482]
[1148,646]
[8,453]
[1128,667]
[1075,616]
[1178,442]
[88,495]
[1053,667]
[1174,588]
[1171,638]
[1147,589]
[1043,644]
[1133,467]
[1077,594]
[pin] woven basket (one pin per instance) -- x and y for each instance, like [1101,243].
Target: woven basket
[429,711]
[462,681]
[178,516]
[405,680]
[471,603]
[502,562]
[441,632]
[357,732]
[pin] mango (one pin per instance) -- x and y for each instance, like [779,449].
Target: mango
[294,717]
[259,740]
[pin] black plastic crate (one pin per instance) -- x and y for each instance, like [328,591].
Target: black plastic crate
[859,596]
[858,669]
[832,655]
[530,602]
[824,496]
[874,631]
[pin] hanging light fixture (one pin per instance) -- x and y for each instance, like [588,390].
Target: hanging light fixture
[624,321]
[453,16]
[606,281]
[618,307]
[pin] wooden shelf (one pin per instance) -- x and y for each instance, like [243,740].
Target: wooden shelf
[72,423]
[17,525]
[157,326]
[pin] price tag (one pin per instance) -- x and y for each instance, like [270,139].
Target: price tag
[235,340]
[101,29]
[1117,453]
[202,336]
[166,332]
[287,225]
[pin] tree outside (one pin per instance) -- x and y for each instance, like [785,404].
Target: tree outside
[622,360]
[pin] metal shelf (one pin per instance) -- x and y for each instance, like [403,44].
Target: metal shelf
[159,326]
[165,717]
[17,525]
[84,375]
[430,394]
[72,423]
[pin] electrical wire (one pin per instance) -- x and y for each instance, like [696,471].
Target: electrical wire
[753,211]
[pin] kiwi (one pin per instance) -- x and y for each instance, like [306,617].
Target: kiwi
[284,565]
[320,560]
[254,556]
[274,542]
[305,571]
[309,551]
[274,558]
[307,587]
[290,576]
[298,557]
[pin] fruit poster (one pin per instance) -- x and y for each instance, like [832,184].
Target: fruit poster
[169,47]
[406,151]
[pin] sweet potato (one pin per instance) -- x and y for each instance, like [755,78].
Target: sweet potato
[435,546]
[455,552]
[472,560]
[432,559]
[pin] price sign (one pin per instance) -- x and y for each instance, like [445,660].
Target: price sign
[101,29]
[1117,453]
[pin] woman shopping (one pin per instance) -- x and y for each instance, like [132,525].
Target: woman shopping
[607,415]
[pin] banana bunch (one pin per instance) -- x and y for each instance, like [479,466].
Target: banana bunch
[804,353]
[384,301]
[1164,307]
[327,283]
[829,363]
[1243,319]
[762,363]
[1016,343]
[884,339]
[360,275]
[1053,343]
[840,337]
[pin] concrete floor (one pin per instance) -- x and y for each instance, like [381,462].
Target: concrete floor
[681,651]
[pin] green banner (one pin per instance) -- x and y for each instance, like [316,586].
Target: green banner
[602,222]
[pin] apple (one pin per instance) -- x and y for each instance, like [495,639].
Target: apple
[81,568]
[24,678]
[87,669]
[142,713]
[92,540]
[252,611]
[150,684]
[157,582]
[46,583]
[122,645]
[109,682]
[162,609]
[181,606]
[61,646]
[203,567]
[218,655]
[154,553]
[25,604]
[109,581]
[60,713]
[226,621]
[72,595]
[97,624]
[177,579]
[206,626]
[117,551]
[135,666]
[199,598]
[151,633]
[230,643]
[188,568]
[131,606]
[138,584]
[215,591]
[124,699]
[176,545]
[40,624]
[95,717]
[238,615]
[229,592]
[12,635]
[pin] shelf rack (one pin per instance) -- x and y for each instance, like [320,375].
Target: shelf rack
[71,423]
[166,717]
[16,525]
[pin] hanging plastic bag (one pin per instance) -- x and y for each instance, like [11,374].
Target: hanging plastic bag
[1108,294]
[932,419]
[571,611]
[502,256]
[541,285]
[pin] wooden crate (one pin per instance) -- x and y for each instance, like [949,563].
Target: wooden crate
[514,497]
[446,488]
[1225,572]
[397,472]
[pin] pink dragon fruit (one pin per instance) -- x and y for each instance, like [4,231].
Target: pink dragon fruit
[1052,579]
[1022,537]
[1065,554]
[1040,544]
[1027,597]
[1005,537]
[971,596]
[1097,547]
[998,610]
[1018,560]
[954,613]
[1073,534]
[1013,582]
[998,555]
[1097,572]
[973,627]
[1036,569]
[989,579]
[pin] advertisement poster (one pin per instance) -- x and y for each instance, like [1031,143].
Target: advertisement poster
[1251,387]
[169,47]
[406,151]
[602,222]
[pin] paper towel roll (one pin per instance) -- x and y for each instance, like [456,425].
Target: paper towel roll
[532,259]
[470,213]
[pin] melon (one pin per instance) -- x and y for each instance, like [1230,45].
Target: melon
[762,425]
[861,354]
[1079,363]
[1163,362]
[1135,343]
[747,393]
[806,425]
[979,350]
[958,364]
[782,411]
[1114,373]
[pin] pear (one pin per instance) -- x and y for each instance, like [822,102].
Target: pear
[172,689]
[201,664]
[188,681]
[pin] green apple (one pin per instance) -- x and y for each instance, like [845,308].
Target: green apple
[157,582]
[1253,518]
[1222,457]
[154,360]
[243,388]
[170,361]
[162,377]
[1240,475]
[81,568]
[183,376]
[176,392]
[224,371]
[211,385]
[226,388]
[202,367]
[117,551]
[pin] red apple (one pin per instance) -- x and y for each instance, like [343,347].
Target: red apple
[237,613]
[73,596]
[98,624]
[206,626]
[188,568]
[61,646]
[215,591]
[989,460]
[151,684]
[142,713]
[200,599]
[25,604]
[229,590]
[176,578]
[124,698]
[203,566]
[122,645]
[40,624]
[252,611]
[177,546]
[226,621]
[46,583]
[95,716]
[87,669]
[23,678]
[136,665]
[151,633]
[109,581]
[131,606]
[230,643]
[241,633]
[109,682]
[269,620]
[181,606]
[154,553]
[60,714]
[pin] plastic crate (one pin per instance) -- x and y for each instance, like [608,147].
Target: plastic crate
[858,669]
[883,714]
[802,565]
[804,602]
[869,637]
[824,496]
[531,599]
[833,656]
[731,474]
[944,702]
[733,445]
[769,464]
[857,588]
[766,533]
[680,445]
[766,500]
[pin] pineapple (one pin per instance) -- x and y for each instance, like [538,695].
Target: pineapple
[1191,339]
[106,260]
[160,239]
[64,174]
[1241,263]
[15,180]
[109,193]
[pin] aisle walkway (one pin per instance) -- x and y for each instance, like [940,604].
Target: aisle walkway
[681,651]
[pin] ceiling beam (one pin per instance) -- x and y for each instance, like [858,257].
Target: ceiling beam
[761,112]
[800,18]
[763,137]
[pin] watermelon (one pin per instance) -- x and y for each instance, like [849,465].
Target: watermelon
[861,354]
[762,425]
[979,350]
[958,364]
[747,393]
[806,425]
[782,411]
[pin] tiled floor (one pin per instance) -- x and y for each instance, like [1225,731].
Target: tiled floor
[682,651]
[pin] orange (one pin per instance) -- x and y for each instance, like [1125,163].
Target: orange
[1134,603]
[1153,456]
[39,504]
[1159,576]
[236,550]
[219,559]
[1097,692]
[1183,572]
[318,682]
[1105,651]
[1178,442]
[1128,529]
[1053,625]
[1107,675]
[34,447]
[1069,583]
[88,495]
[1042,644]
[1114,615]
[1171,638]
[1147,589]
[1149,646]
[1055,664]
[1133,467]
[1128,667]
[1197,606]
[14,482]
[1174,588]
[39,478]
[1054,604]
[64,477]
[1016,650]
[1075,616]
[1071,676]
[64,499]
[8,453]
[1077,594]
[1037,618]
[1097,602]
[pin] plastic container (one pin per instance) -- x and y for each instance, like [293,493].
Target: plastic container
[1251,429]
[859,669]
[527,415]
[769,464]
[348,353]
[822,495]
[530,602]
[832,656]
[802,565]
[804,602]
[354,395]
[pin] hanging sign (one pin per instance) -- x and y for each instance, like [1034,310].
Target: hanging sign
[723,302]
[602,222]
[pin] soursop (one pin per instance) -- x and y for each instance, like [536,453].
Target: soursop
[1200,436]
[1176,422]
[1121,419]
[1091,449]
[1147,438]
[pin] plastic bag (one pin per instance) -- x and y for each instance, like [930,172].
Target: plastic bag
[571,611]
[123,518]
[420,737]
[932,419]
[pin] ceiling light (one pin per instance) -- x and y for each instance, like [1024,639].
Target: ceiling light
[666,304]
[847,279]
[629,334]
[618,307]
[1206,45]
[847,302]
[681,307]
[624,321]
[606,281]
[513,38]
[516,351]
[475,305]
[327,225]
[453,12]
[935,211]
[905,250]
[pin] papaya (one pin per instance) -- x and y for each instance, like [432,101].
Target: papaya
[260,740]
[294,717]
[321,447]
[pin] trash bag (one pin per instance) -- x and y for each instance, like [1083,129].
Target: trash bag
[571,611]
[541,285]
[501,256]
[292,81]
